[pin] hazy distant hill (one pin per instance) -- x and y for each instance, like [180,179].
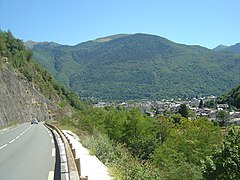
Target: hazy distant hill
[139,66]
[220,48]
[234,48]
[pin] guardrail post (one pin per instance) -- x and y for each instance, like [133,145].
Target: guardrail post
[77,161]
[83,177]
[74,153]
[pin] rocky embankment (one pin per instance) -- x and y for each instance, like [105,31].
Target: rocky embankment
[20,101]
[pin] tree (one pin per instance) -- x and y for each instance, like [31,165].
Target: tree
[200,104]
[184,110]
[224,163]
[210,104]
[237,100]
[222,118]
[185,146]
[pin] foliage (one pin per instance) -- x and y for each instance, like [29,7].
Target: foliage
[183,110]
[127,127]
[122,164]
[176,118]
[224,163]
[210,104]
[139,66]
[186,145]
[223,118]
[163,145]
[232,97]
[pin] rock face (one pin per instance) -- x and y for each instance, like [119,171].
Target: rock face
[20,101]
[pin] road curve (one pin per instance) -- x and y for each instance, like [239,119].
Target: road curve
[27,152]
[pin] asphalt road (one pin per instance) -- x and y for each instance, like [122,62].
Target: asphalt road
[27,152]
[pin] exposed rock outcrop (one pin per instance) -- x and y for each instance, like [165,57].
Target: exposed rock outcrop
[20,101]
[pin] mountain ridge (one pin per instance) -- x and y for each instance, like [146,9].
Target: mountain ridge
[220,47]
[140,66]
[233,48]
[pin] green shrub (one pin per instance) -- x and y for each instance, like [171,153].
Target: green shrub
[122,164]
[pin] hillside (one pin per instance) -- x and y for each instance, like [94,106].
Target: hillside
[231,97]
[234,48]
[220,48]
[139,66]
[27,90]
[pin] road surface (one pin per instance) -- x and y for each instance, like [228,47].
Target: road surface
[27,152]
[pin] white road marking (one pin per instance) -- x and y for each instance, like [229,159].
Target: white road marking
[3,146]
[52,141]
[50,175]
[16,137]
[10,128]
[53,152]
[12,141]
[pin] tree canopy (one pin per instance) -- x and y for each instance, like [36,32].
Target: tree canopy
[224,163]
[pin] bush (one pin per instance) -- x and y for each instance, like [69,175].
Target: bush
[122,164]
[224,163]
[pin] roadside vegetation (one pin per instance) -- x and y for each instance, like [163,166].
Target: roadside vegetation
[136,146]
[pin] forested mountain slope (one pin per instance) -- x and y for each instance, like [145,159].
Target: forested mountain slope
[139,66]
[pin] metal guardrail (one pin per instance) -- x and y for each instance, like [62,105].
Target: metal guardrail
[74,167]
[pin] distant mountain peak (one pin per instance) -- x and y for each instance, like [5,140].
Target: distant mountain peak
[220,47]
[234,48]
[110,38]
[30,44]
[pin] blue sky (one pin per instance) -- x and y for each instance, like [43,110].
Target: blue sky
[204,22]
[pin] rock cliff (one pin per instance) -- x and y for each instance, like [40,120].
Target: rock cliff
[20,101]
